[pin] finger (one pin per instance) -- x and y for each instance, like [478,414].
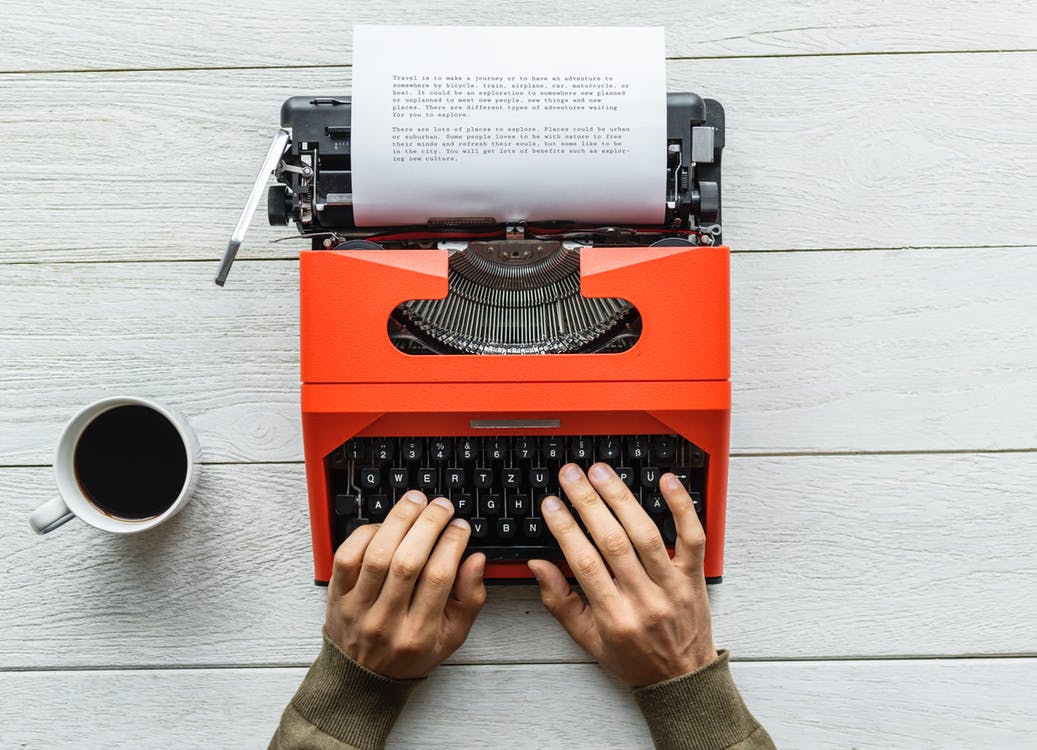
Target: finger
[691,539]
[437,579]
[383,546]
[583,558]
[566,605]
[639,527]
[607,532]
[348,558]
[469,597]
[413,553]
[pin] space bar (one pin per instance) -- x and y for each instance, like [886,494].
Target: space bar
[509,552]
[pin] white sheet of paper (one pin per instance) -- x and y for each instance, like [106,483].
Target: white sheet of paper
[515,123]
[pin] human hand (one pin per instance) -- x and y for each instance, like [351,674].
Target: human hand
[393,603]
[651,621]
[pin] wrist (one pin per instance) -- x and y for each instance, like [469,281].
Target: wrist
[695,660]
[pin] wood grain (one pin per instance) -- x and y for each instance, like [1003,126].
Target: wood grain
[832,351]
[98,35]
[867,705]
[853,152]
[827,557]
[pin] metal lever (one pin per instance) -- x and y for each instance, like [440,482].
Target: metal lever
[273,155]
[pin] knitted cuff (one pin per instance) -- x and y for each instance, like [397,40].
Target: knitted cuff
[348,701]
[701,710]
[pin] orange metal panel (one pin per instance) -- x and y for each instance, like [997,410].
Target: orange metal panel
[673,380]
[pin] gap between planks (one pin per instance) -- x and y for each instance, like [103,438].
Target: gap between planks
[678,58]
[740,251]
[791,454]
[515,663]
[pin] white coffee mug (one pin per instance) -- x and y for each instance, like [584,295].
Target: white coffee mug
[75,500]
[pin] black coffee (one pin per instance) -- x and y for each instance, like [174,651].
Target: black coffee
[131,462]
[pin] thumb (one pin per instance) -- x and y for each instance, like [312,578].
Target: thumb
[469,596]
[566,605]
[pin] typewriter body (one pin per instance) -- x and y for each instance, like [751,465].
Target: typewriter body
[472,359]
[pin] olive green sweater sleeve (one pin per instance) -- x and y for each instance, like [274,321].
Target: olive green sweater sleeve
[341,706]
[701,710]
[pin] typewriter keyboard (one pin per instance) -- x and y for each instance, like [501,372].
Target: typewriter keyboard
[497,483]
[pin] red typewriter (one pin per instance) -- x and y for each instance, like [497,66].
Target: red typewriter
[473,359]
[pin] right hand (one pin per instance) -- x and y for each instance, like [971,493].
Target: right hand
[651,622]
[400,601]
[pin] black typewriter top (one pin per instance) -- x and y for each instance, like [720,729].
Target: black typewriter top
[315,181]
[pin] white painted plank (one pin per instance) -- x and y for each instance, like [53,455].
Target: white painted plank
[832,351]
[852,152]
[119,34]
[972,704]
[826,557]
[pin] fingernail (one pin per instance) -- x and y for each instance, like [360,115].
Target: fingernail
[551,505]
[571,472]
[415,497]
[459,523]
[670,482]
[599,471]
[535,572]
[442,502]
[481,568]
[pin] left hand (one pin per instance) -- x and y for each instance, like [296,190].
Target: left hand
[393,604]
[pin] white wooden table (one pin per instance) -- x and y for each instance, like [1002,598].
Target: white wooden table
[881,578]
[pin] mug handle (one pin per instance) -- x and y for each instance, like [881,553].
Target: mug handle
[50,515]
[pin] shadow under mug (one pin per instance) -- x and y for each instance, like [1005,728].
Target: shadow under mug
[106,455]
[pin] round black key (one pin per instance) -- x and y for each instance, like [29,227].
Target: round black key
[356,449]
[554,450]
[637,448]
[378,506]
[518,504]
[468,450]
[580,449]
[413,450]
[532,528]
[506,528]
[664,448]
[490,505]
[523,449]
[496,448]
[399,478]
[383,449]
[538,477]
[609,449]
[440,450]
[464,506]
[370,477]
[655,504]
